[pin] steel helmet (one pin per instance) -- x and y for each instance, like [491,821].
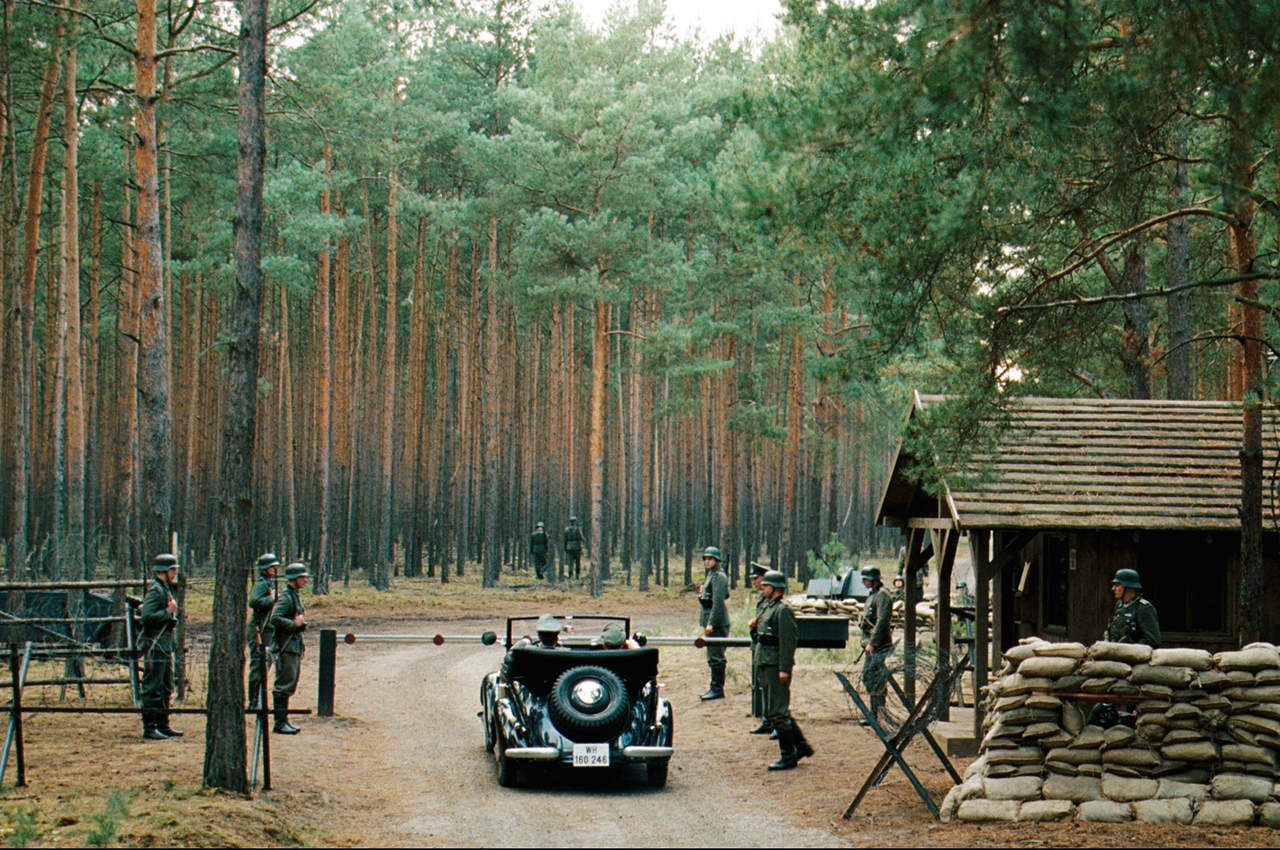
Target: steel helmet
[713,552]
[871,574]
[165,562]
[773,578]
[1127,578]
[267,561]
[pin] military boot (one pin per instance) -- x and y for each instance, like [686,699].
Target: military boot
[167,730]
[764,728]
[716,690]
[803,748]
[149,730]
[787,746]
[283,726]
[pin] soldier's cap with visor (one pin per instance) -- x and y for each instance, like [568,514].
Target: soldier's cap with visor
[1127,578]
[266,561]
[296,570]
[871,574]
[758,569]
[548,624]
[541,525]
[713,552]
[573,519]
[164,562]
[613,636]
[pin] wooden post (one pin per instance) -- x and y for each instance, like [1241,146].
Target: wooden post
[911,593]
[946,560]
[16,708]
[978,542]
[328,654]
[999,569]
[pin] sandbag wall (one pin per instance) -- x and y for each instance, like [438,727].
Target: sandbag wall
[1203,748]
[852,608]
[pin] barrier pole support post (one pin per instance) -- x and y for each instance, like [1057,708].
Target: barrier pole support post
[328,660]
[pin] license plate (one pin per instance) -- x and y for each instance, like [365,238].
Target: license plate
[590,755]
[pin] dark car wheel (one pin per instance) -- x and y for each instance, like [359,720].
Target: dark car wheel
[589,704]
[655,773]
[508,770]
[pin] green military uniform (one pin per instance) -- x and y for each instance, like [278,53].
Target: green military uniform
[759,694]
[539,545]
[156,647]
[1134,621]
[573,548]
[714,613]
[876,624]
[288,647]
[777,637]
[262,598]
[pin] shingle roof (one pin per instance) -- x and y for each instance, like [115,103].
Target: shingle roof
[1102,463]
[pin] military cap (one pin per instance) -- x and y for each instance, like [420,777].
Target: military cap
[165,562]
[548,624]
[713,552]
[295,570]
[613,636]
[758,570]
[773,578]
[266,561]
[871,573]
[542,525]
[1127,578]
[573,519]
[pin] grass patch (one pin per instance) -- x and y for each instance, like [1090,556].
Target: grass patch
[23,833]
[108,821]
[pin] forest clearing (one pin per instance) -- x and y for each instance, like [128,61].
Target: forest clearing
[381,316]
[401,763]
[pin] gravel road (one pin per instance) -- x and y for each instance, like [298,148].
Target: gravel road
[415,751]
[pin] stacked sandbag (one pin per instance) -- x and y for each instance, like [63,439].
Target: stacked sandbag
[925,611]
[1203,748]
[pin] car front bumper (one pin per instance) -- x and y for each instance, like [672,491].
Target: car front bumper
[636,753]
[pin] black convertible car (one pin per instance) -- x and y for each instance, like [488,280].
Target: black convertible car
[577,705]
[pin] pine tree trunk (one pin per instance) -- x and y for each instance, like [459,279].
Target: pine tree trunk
[599,380]
[156,438]
[320,558]
[224,763]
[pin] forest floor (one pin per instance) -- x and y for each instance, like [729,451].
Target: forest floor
[402,762]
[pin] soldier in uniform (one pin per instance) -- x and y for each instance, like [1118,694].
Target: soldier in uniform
[714,617]
[288,623]
[573,548]
[777,635]
[261,600]
[1133,620]
[538,546]
[758,707]
[876,624]
[159,619]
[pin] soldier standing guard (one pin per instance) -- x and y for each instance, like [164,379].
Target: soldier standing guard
[758,706]
[714,617]
[778,634]
[1133,620]
[261,600]
[538,546]
[877,639]
[288,623]
[573,547]
[159,619]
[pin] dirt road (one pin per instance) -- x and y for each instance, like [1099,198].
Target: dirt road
[415,772]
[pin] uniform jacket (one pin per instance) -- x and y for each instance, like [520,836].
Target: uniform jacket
[1135,622]
[261,601]
[877,620]
[715,590]
[777,634]
[157,623]
[288,636]
[573,539]
[538,543]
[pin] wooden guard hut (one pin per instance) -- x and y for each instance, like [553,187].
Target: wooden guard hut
[1076,489]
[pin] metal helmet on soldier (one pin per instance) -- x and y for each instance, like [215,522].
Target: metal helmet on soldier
[871,574]
[1127,578]
[266,561]
[774,578]
[713,552]
[165,562]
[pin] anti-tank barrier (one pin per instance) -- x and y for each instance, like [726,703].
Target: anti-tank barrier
[1189,737]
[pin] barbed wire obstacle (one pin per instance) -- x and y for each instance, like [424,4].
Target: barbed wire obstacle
[888,709]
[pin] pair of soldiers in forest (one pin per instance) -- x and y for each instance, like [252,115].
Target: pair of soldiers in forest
[774,634]
[540,548]
[276,624]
